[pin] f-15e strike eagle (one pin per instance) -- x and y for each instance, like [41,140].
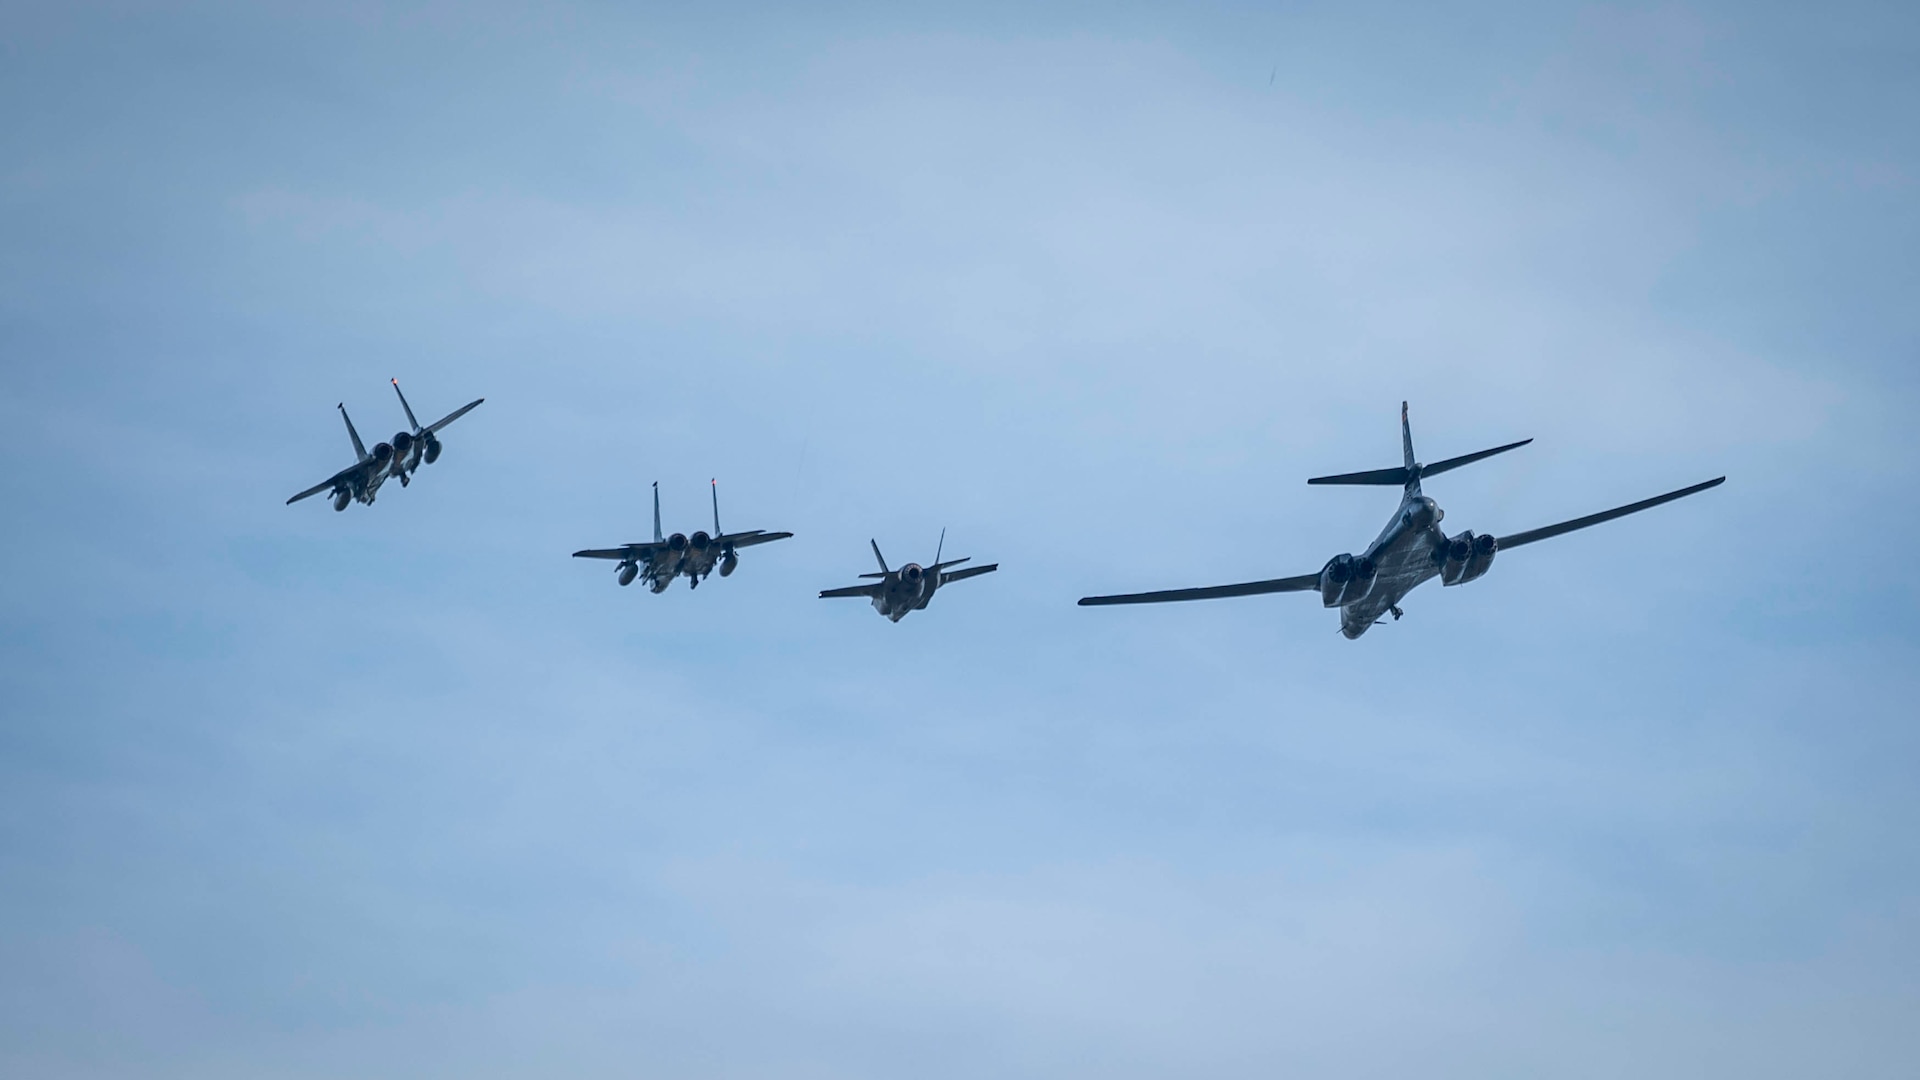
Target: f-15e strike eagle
[911,587]
[694,557]
[1410,550]
[360,481]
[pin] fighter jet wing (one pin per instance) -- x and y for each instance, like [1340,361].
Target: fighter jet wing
[1303,583]
[853,590]
[624,554]
[1550,531]
[326,485]
[949,576]
[454,415]
[749,538]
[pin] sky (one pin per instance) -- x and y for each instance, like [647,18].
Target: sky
[406,791]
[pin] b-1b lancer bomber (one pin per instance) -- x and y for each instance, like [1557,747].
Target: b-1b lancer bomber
[360,481]
[1410,550]
[910,588]
[668,557]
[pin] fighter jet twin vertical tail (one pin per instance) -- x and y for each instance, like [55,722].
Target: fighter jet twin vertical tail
[410,449]
[910,588]
[693,557]
[1409,551]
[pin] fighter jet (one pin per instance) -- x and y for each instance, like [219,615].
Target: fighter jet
[911,587]
[411,449]
[1409,551]
[693,557]
[357,482]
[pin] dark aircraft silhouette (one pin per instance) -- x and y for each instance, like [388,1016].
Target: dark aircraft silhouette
[667,557]
[360,481]
[411,449]
[911,587]
[1410,550]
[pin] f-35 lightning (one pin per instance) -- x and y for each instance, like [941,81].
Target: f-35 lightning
[1409,551]
[360,481]
[910,588]
[693,557]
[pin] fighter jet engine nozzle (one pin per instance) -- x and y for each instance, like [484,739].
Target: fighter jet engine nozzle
[628,571]
[402,443]
[383,452]
[914,577]
[677,542]
[433,449]
[729,563]
[699,541]
[341,498]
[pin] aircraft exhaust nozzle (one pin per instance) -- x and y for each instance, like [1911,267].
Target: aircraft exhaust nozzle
[383,451]
[677,542]
[700,541]
[402,443]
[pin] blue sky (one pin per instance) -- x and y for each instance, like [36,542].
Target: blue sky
[405,791]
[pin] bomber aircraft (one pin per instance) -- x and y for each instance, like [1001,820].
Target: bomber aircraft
[667,557]
[1409,551]
[411,449]
[911,587]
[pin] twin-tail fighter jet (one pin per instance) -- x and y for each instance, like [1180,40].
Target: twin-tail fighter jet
[911,587]
[1410,550]
[694,557]
[360,481]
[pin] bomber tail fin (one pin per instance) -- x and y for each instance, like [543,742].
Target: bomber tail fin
[359,447]
[1406,440]
[1411,473]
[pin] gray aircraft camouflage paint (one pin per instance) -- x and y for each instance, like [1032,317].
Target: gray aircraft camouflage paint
[361,481]
[910,588]
[694,557]
[1411,550]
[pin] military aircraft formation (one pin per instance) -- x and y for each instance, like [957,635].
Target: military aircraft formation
[1411,550]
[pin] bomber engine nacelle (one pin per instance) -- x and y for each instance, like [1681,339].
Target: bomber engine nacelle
[628,571]
[729,562]
[1466,557]
[433,449]
[1346,579]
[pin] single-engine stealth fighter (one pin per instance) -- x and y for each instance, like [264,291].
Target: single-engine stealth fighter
[667,557]
[1410,550]
[421,446]
[911,587]
[360,481]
